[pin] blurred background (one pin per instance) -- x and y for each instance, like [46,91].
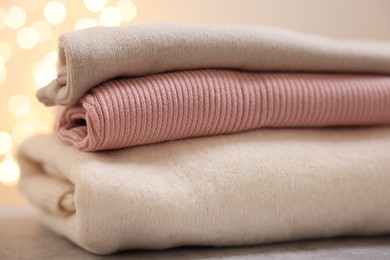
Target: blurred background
[29,30]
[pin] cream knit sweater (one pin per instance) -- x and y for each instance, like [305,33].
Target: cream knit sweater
[89,57]
[248,188]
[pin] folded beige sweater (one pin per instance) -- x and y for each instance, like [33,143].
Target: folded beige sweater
[89,57]
[241,189]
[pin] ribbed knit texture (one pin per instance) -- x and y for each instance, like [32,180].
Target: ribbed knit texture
[135,111]
[92,56]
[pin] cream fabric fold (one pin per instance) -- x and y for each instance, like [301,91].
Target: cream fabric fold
[89,57]
[240,189]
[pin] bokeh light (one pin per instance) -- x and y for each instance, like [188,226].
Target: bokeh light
[43,29]
[110,16]
[2,17]
[29,31]
[21,131]
[15,17]
[27,38]
[9,172]
[95,5]
[127,9]
[85,23]
[5,143]
[19,105]
[3,76]
[51,57]
[5,51]
[55,12]
[44,72]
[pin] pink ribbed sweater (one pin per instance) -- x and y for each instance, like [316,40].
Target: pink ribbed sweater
[170,106]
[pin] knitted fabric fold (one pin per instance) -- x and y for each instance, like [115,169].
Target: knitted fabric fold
[89,57]
[170,106]
[240,189]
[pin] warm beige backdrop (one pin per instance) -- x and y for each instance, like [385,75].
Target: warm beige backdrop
[355,19]
[363,19]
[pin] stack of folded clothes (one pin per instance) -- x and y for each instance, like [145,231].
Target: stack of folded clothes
[291,141]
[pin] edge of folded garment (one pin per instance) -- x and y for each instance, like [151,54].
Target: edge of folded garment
[287,189]
[171,106]
[91,56]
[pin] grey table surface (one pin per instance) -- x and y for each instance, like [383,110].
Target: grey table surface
[22,236]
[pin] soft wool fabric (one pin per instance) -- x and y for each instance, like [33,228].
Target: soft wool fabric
[170,106]
[89,57]
[248,188]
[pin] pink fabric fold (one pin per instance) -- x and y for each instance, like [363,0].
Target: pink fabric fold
[170,106]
